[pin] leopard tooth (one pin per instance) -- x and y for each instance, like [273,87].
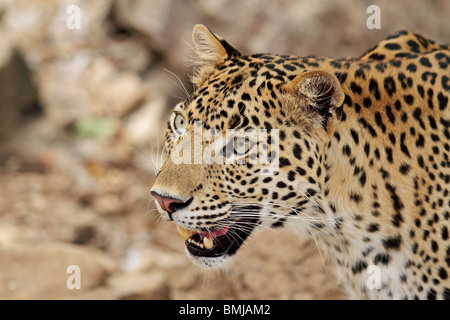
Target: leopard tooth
[208,242]
[184,233]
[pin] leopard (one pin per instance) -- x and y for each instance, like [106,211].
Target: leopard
[358,160]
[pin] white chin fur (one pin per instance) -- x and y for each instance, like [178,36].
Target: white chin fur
[209,263]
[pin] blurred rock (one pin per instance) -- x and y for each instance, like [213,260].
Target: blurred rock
[92,28]
[27,21]
[144,258]
[62,89]
[116,93]
[168,260]
[39,28]
[84,234]
[149,18]
[144,126]
[108,204]
[136,261]
[99,293]
[39,271]
[120,50]
[303,296]
[8,235]
[87,85]
[302,27]
[35,143]
[98,154]
[17,91]
[133,286]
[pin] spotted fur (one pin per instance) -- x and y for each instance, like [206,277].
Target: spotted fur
[364,157]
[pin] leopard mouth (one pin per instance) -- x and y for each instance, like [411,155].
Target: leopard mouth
[218,242]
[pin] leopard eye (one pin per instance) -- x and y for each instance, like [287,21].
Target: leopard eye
[179,123]
[241,145]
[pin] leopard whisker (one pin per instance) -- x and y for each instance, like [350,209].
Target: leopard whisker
[179,84]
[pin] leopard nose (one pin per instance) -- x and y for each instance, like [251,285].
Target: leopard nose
[170,204]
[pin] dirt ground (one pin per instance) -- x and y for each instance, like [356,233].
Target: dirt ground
[39,207]
[82,116]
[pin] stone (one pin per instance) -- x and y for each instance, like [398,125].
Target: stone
[8,235]
[136,260]
[117,93]
[108,204]
[61,89]
[99,293]
[17,91]
[142,286]
[144,126]
[39,270]
[122,49]
[144,258]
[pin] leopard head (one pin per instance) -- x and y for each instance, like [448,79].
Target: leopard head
[245,150]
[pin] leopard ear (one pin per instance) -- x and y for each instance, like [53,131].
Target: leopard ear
[317,89]
[210,51]
[320,89]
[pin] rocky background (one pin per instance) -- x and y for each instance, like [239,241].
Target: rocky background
[82,116]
